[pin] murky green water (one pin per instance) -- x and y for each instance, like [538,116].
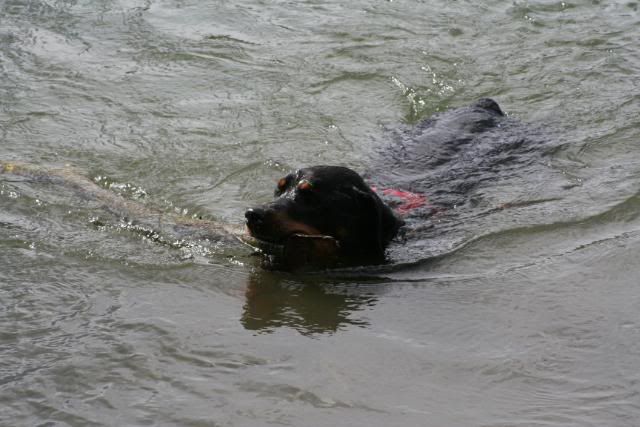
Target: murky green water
[199,106]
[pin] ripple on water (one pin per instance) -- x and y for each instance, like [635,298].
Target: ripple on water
[206,104]
[44,305]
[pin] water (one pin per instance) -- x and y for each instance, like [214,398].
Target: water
[198,107]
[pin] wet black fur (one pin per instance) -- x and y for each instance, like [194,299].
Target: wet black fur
[339,204]
[449,157]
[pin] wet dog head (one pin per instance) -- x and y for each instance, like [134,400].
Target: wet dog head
[332,203]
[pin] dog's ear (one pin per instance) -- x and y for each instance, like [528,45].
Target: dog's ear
[379,224]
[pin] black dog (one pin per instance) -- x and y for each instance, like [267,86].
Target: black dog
[451,157]
[329,201]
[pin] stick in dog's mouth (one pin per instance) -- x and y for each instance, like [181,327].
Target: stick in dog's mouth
[298,250]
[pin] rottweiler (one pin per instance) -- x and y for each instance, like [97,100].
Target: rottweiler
[329,215]
[343,218]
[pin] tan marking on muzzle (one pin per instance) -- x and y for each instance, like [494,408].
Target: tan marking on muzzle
[284,225]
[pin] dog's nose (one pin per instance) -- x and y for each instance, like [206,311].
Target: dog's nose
[254,216]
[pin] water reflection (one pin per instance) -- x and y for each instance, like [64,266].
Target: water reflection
[274,300]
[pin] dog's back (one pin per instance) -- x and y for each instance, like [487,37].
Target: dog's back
[452,156]
[471,164]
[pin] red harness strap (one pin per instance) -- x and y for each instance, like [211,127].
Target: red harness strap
[407,201]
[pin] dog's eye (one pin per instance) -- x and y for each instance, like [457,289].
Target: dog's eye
[282,184]
[304,185]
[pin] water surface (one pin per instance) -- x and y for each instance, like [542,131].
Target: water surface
[198,107]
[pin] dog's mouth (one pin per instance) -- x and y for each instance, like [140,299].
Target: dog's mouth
[279,237]
[296,250]
[275,245]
